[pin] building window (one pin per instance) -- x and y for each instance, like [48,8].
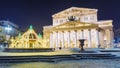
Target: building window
[56,21]
[1,23]
[85,18]
[79,19]
[92,18]
[72,18]
[61,21]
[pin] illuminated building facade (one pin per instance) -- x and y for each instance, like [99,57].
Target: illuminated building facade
[75,23]
[8,29]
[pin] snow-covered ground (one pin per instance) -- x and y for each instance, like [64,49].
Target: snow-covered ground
[35,53]
[107,63]
[57,52]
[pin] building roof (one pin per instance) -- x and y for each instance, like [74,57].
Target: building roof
[5,23]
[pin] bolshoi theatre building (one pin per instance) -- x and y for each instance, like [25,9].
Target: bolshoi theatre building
[72,24]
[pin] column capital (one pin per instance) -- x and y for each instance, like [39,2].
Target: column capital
[69,31]
[51,32]
[56,31]
[89,29]
[111,29]
[62,31]
[75,30]
[81,30]
[98,29]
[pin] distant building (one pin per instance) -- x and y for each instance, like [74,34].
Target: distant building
[7,29]
[117,35]
[75,23]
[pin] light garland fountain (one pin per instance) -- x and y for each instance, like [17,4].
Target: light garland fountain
[28,40]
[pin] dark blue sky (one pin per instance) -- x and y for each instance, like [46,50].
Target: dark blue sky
[38,12]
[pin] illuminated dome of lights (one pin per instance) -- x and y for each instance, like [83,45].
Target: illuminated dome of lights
[30,35]
[28,40]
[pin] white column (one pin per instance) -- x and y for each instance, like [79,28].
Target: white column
[75,38]
[68,39]
[112,38]
[82,34]
[56,39]
[51,40]
[89,41]
[62,39]
[97,38]
[109,35]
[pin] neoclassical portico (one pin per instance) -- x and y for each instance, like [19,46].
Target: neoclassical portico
[67,35]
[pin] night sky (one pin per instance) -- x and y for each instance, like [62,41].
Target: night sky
[38,12]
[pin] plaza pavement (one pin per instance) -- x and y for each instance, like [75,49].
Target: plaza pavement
[90,63]
[57,52]
[116,51]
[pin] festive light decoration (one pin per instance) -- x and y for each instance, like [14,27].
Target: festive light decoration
[28,40]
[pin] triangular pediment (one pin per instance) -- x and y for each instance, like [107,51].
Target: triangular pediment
[73,10]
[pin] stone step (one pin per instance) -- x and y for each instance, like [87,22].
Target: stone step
[95,55]
[55,58]
[107,54]
[28,60]
[28,50]
[109,50]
